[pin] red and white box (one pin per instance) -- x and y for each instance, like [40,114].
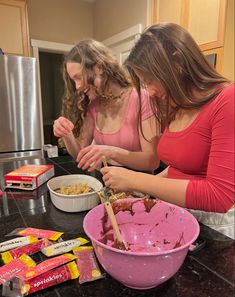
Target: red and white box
[29,177]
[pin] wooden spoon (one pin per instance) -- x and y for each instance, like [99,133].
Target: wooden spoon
[105,200]
[120,244]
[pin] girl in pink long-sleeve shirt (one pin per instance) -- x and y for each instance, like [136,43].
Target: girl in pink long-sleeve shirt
[197,106]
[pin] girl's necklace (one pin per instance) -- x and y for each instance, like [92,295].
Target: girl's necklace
[110,96]
[112,102]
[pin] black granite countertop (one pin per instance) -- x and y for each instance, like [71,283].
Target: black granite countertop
[208,273]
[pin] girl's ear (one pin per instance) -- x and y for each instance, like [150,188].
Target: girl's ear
[178,62]
[98,69]
[177,57]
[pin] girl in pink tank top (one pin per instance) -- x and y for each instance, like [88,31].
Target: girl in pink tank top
[102,115]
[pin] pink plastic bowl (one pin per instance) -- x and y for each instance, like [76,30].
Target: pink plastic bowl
[158,234]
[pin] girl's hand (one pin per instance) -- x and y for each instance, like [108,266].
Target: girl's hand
[62,127]
[91,156]
[117,178]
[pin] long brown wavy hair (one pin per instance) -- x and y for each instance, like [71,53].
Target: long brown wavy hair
[166,52]
[89,53]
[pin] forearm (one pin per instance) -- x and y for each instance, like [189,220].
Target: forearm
[72,145]
[169,190]
[136,160]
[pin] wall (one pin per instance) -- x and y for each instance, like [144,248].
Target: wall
[63,21]
[228,59]
[67,21]
[114,16]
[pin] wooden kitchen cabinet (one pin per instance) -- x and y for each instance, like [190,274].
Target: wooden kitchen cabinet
[204,19]
[215,57]
[14,35]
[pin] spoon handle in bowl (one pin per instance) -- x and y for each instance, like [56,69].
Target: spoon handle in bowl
[113,220]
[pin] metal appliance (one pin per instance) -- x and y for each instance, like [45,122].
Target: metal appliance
[21,129]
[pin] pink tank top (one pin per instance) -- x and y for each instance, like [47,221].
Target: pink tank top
[127,137]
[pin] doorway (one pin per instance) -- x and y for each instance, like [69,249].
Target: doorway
[49,56]
[52,89]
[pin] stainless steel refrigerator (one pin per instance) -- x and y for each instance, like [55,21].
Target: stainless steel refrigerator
[21,129]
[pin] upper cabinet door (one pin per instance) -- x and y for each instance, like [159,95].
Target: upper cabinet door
[14,27]
[166,11]
[204,19]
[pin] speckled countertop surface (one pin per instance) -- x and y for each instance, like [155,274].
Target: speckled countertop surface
[208,273]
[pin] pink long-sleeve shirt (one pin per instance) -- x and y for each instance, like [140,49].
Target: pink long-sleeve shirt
[127,137]
[203,153]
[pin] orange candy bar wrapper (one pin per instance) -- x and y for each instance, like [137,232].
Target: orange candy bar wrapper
[39,233]
[20,287]
[11,269]
[28,249]
[46,266]
[87,264]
